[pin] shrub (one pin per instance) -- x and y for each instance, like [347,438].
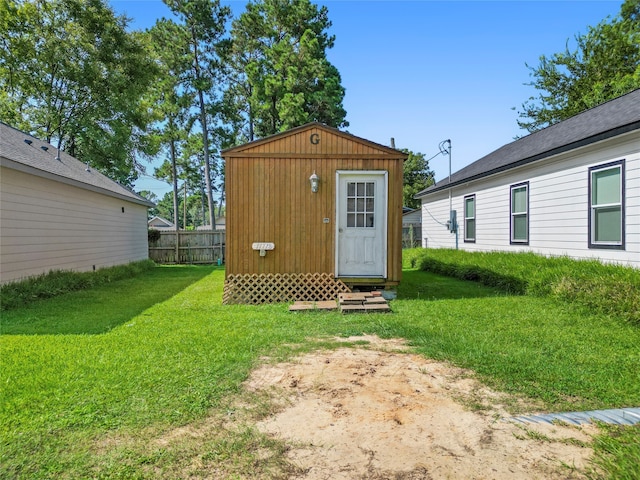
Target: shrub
[602,288]
[57,282]
[153,235]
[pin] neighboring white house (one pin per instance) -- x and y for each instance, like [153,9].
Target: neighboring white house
[569,189]
[221,224]
[58,214]
[411,228]
[412,217]
[160,223]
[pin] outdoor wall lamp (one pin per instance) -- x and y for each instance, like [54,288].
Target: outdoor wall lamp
[315,182]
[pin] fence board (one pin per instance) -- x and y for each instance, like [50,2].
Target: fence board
[411,235]
[200,246]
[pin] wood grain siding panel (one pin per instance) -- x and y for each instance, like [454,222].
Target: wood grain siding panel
[48,225]
[283,210]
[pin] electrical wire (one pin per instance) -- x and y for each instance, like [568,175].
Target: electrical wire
[434,218]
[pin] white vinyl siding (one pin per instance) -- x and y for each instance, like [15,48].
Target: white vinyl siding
[470,218]
[47,225]
[606,206]
[558,205]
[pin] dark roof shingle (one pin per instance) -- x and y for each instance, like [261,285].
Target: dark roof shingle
[21,150]
[609,119]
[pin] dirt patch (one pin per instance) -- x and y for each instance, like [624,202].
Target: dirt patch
[375,411]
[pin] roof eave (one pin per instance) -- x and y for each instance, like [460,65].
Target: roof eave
[541,156]
[393,153]
[8,163]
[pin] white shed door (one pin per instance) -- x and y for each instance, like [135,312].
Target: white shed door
[361,224]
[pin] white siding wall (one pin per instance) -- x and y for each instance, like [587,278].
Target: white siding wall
[45,225]
[412,217]
[558,205]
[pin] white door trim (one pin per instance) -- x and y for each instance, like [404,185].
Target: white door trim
[385,213]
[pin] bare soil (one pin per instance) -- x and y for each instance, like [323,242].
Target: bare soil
[376,411]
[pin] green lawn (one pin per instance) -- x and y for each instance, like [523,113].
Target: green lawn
[90,376]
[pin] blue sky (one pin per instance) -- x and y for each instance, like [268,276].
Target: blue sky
[425,71]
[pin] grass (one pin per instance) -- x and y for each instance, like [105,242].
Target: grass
[590,285]
[57,282]
[107,382]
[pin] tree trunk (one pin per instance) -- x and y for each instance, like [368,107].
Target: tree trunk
[174,174]
[205,133]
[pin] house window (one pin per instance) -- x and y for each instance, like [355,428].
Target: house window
[470,218]
[520,214]
[606,206]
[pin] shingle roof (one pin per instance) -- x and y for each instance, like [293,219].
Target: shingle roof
[607,120]
[19,150]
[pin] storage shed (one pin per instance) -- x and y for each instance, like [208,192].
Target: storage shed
[309,212]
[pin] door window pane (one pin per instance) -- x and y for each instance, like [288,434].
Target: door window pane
[370,189]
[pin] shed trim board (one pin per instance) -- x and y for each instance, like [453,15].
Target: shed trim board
[242,150]
[367,245]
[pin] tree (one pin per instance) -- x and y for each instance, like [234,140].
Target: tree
[152,197]
[204,21]
[279,74]
[416,177]
[71,74]
[605,65]
[170,101]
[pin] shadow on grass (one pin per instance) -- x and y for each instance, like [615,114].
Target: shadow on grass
[100,309]
[421,285]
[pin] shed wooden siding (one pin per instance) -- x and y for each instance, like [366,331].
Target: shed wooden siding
[269,199]
[47,225]
[558,206]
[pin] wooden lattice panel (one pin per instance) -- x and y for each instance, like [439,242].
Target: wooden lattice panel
[281,287]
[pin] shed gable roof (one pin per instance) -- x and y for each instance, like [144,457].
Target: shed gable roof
[607,120]
[21,151]
[313,140]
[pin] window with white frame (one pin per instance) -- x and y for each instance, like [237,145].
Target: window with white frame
[470,218]
[519,225]
[606,205]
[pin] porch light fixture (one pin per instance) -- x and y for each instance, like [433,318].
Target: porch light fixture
[315,182]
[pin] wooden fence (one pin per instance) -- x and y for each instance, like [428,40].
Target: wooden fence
[186,247]
[411,235]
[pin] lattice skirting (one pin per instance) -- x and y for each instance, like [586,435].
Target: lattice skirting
[281,287]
